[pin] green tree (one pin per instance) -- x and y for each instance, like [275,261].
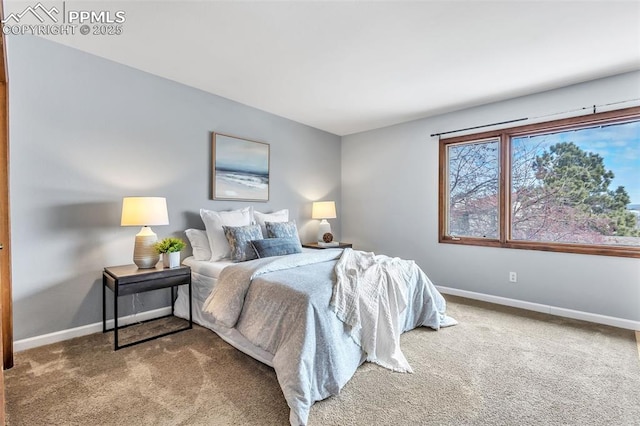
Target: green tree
[577,181]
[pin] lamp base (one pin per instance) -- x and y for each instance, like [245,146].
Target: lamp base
[144,255]
[323,228]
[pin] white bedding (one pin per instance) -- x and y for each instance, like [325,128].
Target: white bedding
[204,275]
[370,295]
[282,304]
[207,268]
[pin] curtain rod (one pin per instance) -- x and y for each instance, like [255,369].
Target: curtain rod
[530,118]
[479,127]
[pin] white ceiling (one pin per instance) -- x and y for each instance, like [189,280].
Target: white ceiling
[347,67]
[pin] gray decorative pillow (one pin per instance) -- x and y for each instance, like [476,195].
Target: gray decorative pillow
[276,246]
[282,230]
[239,238]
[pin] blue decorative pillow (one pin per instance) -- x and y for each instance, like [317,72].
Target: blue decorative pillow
[239,238]
[282,230]
[276,246]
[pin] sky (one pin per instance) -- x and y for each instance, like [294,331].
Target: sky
[618,145]
[241,155]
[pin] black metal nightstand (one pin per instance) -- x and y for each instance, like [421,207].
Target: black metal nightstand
[129,279]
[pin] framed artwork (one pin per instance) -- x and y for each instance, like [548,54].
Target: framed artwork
[240,169]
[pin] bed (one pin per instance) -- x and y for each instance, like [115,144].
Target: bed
[312,315]
[282,311]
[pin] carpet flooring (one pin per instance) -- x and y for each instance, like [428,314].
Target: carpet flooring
[499,366]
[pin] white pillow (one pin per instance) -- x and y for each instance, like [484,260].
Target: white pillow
[199,243]
[213,223]
[279,216]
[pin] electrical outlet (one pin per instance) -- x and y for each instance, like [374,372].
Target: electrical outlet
[513,277]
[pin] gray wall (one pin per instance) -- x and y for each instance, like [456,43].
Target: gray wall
[85,132]
[390,205]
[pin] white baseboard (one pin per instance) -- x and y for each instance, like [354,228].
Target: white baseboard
[58,336]
[546,309]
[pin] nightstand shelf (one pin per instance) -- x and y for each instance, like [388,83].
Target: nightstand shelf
[315,245]
[129,279]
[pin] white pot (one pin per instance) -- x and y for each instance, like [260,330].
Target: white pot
[171,260]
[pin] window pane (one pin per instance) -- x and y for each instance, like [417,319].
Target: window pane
[473,170]
[579,186]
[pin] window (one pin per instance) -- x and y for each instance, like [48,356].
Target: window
[569,185]
[474,172]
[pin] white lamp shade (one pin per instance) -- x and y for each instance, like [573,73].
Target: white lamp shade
[144,211]
[323,210]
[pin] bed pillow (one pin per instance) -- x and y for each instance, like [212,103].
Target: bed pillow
[239,238]
[199,243]
[279,216]
[213,223]
[276,247]
[282,230]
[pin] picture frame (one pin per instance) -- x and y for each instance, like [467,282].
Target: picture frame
[240,168]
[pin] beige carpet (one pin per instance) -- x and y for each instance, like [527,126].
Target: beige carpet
[499,366]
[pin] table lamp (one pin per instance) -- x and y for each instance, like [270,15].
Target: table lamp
[323,210]
[145,212]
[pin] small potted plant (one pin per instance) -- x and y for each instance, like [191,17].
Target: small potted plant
[170,248]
